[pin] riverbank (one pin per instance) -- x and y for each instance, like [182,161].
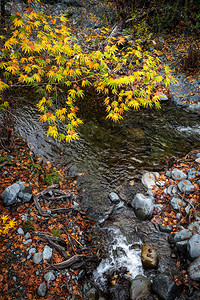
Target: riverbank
[50,228]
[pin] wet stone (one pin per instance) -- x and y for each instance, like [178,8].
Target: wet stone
[118,206]
[182,235]
[149,257]
[185,186]
[165,228]
[193,246]
[140,288]
[143,206]
[114,197]
[178,174]
[182,246]
[194,270]
[164,286]
[41,291]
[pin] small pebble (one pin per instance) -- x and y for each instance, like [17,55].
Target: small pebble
[20,231]
[27,242]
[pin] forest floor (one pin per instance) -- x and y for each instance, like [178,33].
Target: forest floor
[19,275]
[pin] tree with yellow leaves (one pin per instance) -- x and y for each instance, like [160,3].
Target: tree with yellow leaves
[43,54]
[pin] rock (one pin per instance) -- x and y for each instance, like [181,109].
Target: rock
[27,235]
[178,216]
[164,286]
[37,258]
[165,228]
[198,160]
[148,180]
[92,294]
[27,197]
[32,251]
[182,246]
[42,289]
[194,270]
[168,173]
[177,203]
[140,288]
[136,133]
[185,186]
[47,253]
[193,246]
[114,197]
[149,257]
[194,227]
[20,231]
[172,190]
[192,173]
[9,195]
[163,97]
[27,241]
[178,175]
[118,206]
[49,276]
[143,206]
[160,183]
[182,235]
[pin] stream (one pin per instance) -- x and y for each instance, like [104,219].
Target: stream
[113,156]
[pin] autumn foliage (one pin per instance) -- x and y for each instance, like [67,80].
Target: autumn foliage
[43,53]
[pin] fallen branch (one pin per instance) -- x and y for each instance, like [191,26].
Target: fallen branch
[5,163]
[75,262]
[52,241]
[37,196]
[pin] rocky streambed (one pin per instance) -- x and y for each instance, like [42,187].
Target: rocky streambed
[153,240]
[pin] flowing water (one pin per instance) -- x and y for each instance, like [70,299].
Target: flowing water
[112,156]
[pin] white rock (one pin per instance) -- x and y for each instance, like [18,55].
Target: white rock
[47,253]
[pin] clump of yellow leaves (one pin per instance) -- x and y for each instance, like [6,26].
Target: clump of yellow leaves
[6,224]
[42,53]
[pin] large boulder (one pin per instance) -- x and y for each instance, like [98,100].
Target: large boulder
[140,288]
[9,195]
[19,192]
[193,246]
[165,287]
[182,235]
[194,269]
[143,206]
